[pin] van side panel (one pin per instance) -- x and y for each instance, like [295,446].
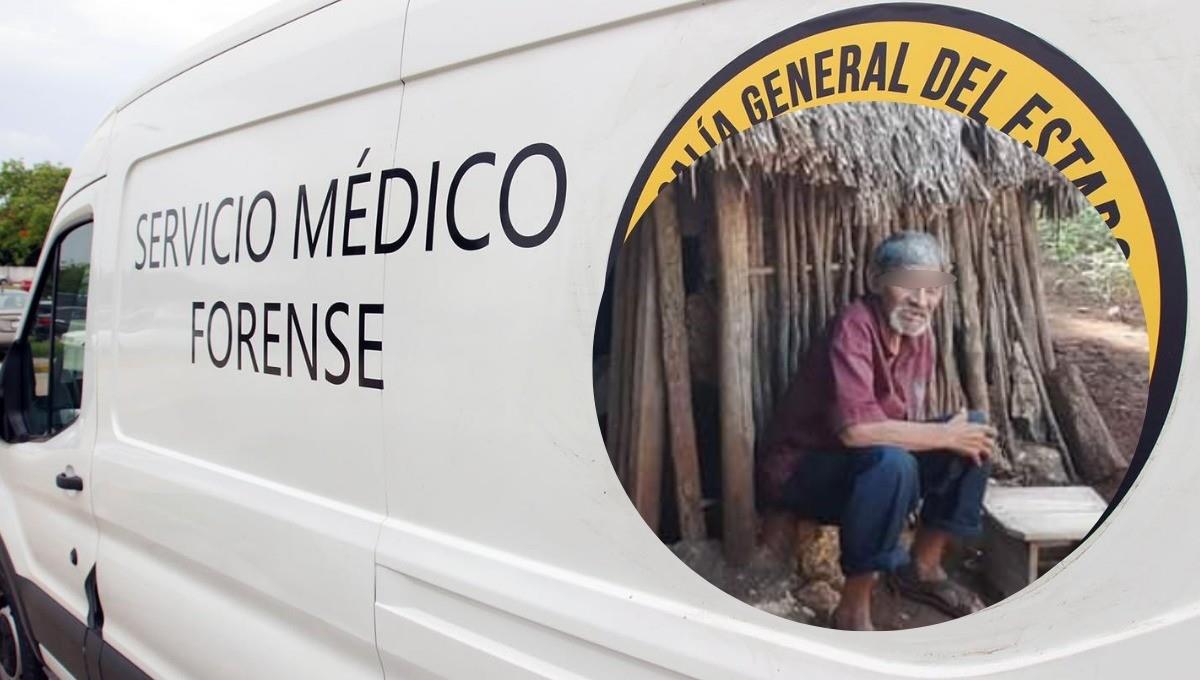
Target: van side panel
[240,474]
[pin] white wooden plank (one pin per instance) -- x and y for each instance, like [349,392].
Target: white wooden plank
[1044,513]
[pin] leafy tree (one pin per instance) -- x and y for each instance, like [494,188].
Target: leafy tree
[28,197]
[1084,247]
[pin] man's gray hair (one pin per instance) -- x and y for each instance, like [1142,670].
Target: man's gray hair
[907,249]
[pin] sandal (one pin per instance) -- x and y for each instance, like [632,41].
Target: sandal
[944,594]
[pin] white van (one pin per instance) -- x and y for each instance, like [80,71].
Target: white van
[305,388]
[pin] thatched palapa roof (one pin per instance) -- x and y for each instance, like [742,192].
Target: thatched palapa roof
[891,155]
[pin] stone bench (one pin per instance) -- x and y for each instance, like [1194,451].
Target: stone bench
[1027,530]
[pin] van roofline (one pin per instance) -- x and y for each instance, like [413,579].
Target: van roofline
[262,22]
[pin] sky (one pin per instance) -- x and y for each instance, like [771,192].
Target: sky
[65,63]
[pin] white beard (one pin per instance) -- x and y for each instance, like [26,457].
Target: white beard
[909,328]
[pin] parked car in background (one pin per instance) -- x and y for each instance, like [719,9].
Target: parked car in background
[12,305]
[63,316]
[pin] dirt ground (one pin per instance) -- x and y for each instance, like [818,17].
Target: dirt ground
[1108,342]
[781,589]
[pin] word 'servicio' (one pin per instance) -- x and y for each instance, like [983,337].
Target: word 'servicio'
[240,228]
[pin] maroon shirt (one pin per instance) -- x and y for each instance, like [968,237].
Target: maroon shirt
[849,376]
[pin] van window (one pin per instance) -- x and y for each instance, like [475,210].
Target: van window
[56,337]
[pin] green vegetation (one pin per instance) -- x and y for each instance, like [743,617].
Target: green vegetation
[28,197]
[1082,249]
[39,348]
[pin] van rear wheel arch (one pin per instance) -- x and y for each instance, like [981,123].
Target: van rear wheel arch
[28,658]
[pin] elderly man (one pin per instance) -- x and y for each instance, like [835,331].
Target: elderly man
[851,445]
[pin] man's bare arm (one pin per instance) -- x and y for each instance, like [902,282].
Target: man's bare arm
[971,440]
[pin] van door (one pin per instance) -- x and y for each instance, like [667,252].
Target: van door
[239,473]
[49,426]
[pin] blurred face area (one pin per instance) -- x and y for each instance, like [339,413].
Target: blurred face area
[910,296]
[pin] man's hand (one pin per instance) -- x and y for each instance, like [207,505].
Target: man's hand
[974,441]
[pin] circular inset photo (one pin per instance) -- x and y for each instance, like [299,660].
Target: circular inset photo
[871,366]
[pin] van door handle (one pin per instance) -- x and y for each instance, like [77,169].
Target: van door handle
[68,482]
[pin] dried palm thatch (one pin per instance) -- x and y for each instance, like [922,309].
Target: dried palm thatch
[892,154]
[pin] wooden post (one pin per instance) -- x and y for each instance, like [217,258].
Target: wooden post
[815,223]
[827,210]
[801,218]
[1093,448]
[737,427]
[861,256]
[754,255]
[762,308]
[995,334]
[1027,311]
[845,215]
[948,370]
[671,302]
[968,302]
[796,340]
[648,431]
[783,285]
[620,372]
[1033,255]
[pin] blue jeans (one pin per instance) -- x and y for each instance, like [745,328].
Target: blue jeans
[869,492]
